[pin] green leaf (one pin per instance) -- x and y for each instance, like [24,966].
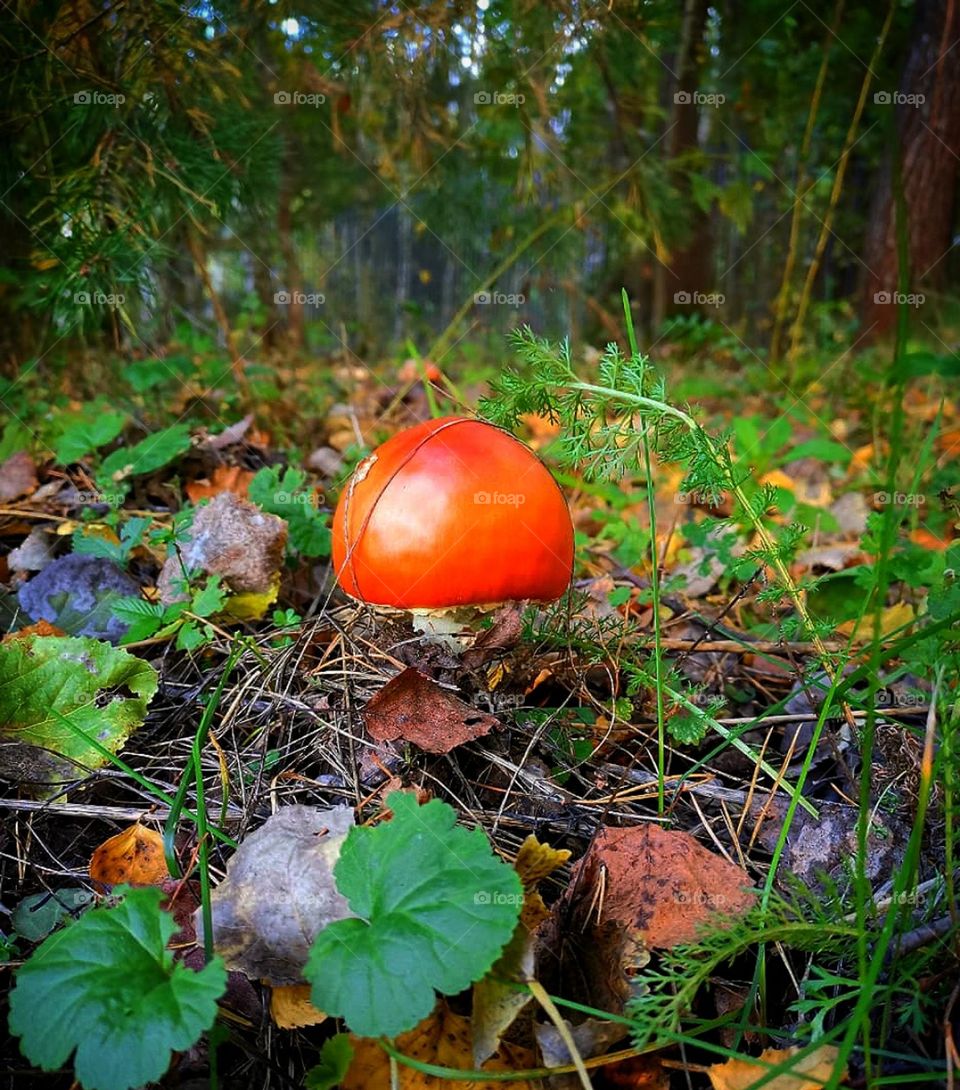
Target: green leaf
[149,454]
[435,908]
[107,987]
[36,916]
[210,599]
[309,534]
[335,1058]
[82,434]
[53,688]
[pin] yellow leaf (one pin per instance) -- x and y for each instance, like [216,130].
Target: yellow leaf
[892,618]
[290,1007]
[251,606]
[779,479]
[808,1073]
[444,1039]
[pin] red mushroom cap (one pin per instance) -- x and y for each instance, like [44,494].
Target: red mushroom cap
[452,512]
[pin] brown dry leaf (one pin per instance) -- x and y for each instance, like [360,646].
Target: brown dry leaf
[809,1072]
[444,1039]
[663,883]
[222,479]
[416,709]
[290,1007]
[637,1073]
[501,636]
[496,1003]
[134,856]
[18,477]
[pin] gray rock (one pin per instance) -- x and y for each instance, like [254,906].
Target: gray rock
[76,593]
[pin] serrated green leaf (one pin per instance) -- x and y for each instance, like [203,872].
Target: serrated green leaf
[107,989]
[335,1059]
[54,688]
[95,428]
[149,454]
[309,534]
[210,599]
[436,907]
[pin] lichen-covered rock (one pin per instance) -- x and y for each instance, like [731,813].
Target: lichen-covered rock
[77,593]
[233,539]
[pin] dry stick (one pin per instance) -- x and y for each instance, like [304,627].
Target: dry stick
[797,329]
[801,179]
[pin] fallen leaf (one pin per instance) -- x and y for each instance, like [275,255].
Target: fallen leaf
[77,593]
[279,893]
[637,1073]
[496,1002]
[503,634]
[851,511]
[223,479]
[41,628]
[893,618]
[134,856]
[230,435]
[34,553]
[810,1072]
[18,477]
[416,709]
[925,538]
[290,1007]
[444,1039]
[661,882]
[233,539]
[592,1037]
[56,693]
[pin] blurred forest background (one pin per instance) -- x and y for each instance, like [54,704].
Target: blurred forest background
[368,177]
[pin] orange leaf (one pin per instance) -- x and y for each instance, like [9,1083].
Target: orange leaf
[134,856]
[290,1007]
[222,479]
[810,1072]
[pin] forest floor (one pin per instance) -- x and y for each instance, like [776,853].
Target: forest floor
[732,872]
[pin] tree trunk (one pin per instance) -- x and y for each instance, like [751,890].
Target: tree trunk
[288,249]
[928,131]
[687,270]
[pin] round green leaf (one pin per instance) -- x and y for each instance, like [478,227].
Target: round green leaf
[435,908]
[108,988]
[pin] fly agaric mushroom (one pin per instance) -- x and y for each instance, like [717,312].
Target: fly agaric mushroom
[449,514]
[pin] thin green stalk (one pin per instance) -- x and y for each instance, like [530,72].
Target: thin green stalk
[149,787]
[192,770]
[654,575]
